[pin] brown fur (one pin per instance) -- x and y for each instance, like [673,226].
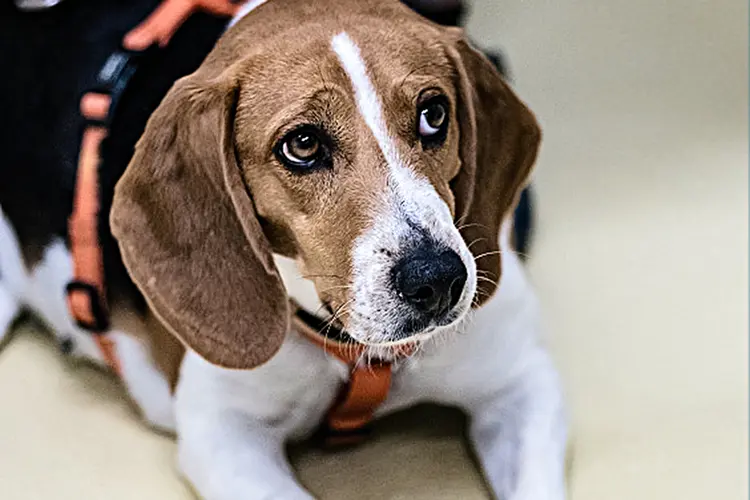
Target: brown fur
[498,149]
[204,202]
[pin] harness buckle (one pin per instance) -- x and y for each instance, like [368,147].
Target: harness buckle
[112,80]
[96,306]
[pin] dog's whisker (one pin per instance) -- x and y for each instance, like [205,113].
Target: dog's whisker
[487,254]
[472,224]
[318,309]
[482,294]
[309,276]
[327,327]
[334,287]
[476,240]
[338,286]
[461,219]
[488,280]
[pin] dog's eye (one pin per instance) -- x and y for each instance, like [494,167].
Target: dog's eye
[302,149]
[433,121]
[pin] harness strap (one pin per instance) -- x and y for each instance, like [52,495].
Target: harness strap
[348,420]
[86,293]
[166,19]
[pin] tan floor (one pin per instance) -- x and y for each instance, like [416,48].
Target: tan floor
[641,262]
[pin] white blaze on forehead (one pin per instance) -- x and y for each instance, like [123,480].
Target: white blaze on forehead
[409,191]
[368,103]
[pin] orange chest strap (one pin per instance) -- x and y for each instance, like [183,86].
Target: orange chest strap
[348,420]
[86,292]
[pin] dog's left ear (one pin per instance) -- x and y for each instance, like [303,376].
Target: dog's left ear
[499,139]
[188,232]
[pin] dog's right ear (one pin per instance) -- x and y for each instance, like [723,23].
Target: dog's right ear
[499,143]
[188,232]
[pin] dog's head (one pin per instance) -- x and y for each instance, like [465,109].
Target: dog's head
[377,149]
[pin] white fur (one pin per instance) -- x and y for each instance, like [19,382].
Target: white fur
[33,5]
[45,295]
[42,290]
[11,276]
[9,309]
[246,8]
[144,382]
[298,288]
[493,367]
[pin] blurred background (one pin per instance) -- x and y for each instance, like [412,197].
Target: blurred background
[641,254]
[640,259]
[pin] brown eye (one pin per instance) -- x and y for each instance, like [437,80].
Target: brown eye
[433,121]
[302,149]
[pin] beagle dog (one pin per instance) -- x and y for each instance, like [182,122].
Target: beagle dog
[354,160]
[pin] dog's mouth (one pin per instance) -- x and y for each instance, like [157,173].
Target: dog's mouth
[423,328]
[410,331]
[331,328]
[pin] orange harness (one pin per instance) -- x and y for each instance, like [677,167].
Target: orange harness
[347,421]
[86,292]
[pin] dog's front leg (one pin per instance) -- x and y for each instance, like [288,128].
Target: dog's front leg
[520,435]
[226,455]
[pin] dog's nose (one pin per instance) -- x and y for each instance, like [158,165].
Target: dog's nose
[431,280]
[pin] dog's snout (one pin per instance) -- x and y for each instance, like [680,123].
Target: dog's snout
[430,280]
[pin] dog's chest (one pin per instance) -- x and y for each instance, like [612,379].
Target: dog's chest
[294,390]
[291,392]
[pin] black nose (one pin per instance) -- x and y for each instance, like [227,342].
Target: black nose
[430,279]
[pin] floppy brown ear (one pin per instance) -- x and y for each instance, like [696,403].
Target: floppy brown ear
[498,146]
[188,232]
